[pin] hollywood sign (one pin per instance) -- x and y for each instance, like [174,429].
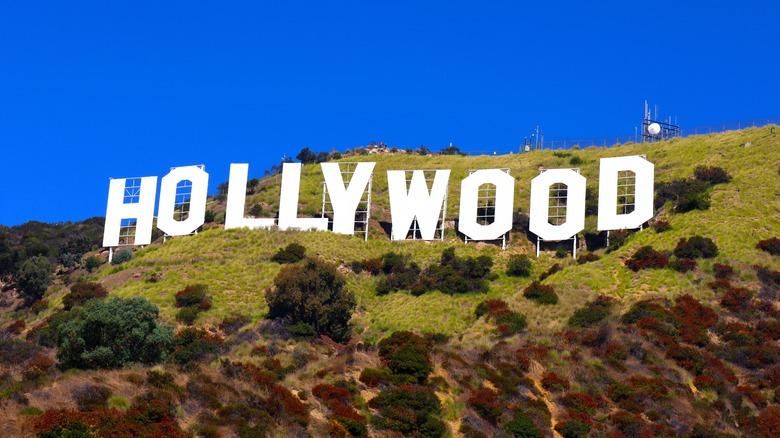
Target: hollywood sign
[132,200]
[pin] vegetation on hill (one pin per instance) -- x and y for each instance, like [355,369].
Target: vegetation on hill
[672,330]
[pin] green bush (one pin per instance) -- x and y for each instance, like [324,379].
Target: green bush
[542,294]
[411,410]
[594,312]
[93,263]
[522,426]
[694,201]
[302,331]
[519,265]
[696,247]
[112,333]
[410,360]
[187,315]
[456,275]
[510,323]
[313,293]
[121,256]
[34,277]
[292,253]
[711,175]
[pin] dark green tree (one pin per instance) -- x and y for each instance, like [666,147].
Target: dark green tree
[112,333]
[312,293]
[34,277]
[306,156]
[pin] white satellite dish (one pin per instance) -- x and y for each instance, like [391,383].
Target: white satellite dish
[654,129]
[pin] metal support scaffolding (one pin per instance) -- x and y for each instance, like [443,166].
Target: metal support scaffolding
[363,211]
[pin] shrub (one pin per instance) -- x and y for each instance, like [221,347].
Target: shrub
[82,292]
[736,299]
[772,246]
[696,201]
[587,257]
[573,428]
[617,238]
[34,277]
[292,253]
[112,333]
[410,360]
[493,307]
[647,258]
[696,247]
[678,190]
[683,265]
[522,426]
[553,381]
[92,263]
[579,402]
[542,294]
[508,324]
[192,295]
[406,354]
[712,175]
[39,306]
[553,269]
[187,315]
[232,323]
[722,271]
[594,312]
[455,275]
[194,345]
[313,293]
[15,351]
[660,226]
[769,277]
[373,377]
[121,256]
[16,327]
[411,410]
[301,331]
[519,265]
[91,397]
[486,403]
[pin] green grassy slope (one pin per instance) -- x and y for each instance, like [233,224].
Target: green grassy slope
[236,266]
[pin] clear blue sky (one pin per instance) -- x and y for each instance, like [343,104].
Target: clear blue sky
[93,90]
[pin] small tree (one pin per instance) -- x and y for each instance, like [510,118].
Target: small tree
[112,333]
[306,156]
[312,293]
[519,265]
[34,277]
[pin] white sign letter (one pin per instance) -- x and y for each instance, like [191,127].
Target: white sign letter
[288,202]
[130,198]
[643,170]
[469,195]
[416,203]
[345,200]
[236,199]
[540,204]
[169,199]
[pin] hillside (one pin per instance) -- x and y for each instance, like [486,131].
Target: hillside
[682,350]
